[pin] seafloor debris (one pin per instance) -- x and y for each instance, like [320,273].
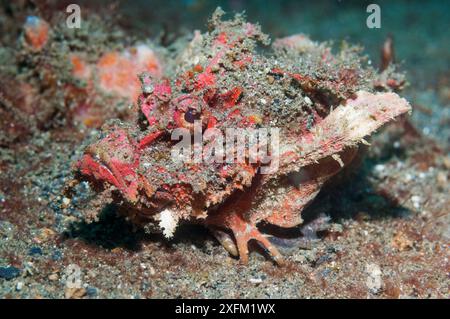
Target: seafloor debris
[323,104]
[35,33]
[53,76]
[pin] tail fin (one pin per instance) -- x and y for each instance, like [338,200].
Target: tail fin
[345,126]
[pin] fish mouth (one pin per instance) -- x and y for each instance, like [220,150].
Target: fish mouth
[93,166]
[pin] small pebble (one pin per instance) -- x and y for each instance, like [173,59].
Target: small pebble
[19,286]
[57,255]
[408,177]
[53,277]
[446,161]
[401,241]
[7,230]
[255,280]
[91,291]
[45,234]
[29,269]
[416,200]
[9,273]
[442,180]
[308,100]
[379,168]
[148,89]
[215,68]
[299,258]
[65,202]
[374,281]
[35,251]
[74,293]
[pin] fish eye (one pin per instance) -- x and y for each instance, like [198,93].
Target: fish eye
[191,116]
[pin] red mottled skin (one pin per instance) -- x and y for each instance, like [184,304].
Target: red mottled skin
[307,160]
